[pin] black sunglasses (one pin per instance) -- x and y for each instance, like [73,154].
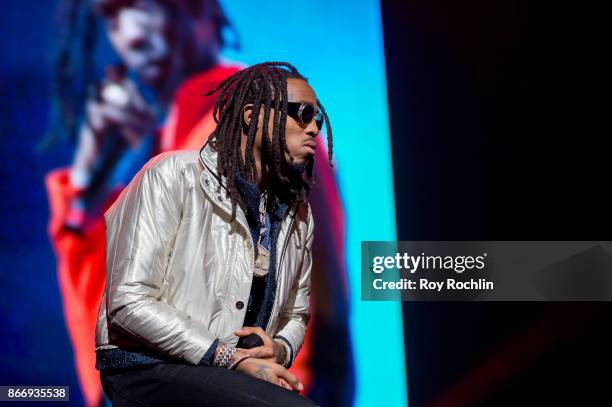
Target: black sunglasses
[304,113]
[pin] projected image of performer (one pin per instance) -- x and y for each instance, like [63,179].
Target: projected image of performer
[149,102]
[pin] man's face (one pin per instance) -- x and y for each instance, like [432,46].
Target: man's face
[300,139]
[141,34]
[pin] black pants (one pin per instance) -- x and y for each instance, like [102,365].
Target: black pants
[187,385]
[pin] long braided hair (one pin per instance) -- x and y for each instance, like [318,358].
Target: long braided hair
[265,87]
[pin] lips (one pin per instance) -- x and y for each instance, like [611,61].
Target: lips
[311,144]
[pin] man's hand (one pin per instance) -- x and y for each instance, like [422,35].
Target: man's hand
[271,350]
[132,118]
[269,371]
[120,107]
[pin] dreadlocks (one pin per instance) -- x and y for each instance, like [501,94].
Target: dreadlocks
[265,87]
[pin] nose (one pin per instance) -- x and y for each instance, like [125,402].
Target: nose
[132,29]
[312,129]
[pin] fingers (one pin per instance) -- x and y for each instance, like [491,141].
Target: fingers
[283,383]
[118,103]
[247,330]
[262,352]
[244,331]
[133,123]
[271,372]
[120,116]
[135,96]
[289,377]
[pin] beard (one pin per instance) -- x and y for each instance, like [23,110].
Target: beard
[298,168]
[301,168]
[291,168]
[295,177]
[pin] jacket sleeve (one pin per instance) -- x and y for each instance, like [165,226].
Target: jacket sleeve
[296,314]
[140,230]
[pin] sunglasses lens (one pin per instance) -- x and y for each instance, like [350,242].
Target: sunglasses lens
[307,114]
[319,120]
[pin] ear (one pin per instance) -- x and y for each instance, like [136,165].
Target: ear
[247,111]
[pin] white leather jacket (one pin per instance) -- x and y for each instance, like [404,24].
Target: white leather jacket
[178,273]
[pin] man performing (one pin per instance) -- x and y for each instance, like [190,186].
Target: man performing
[151,103]
[205,247]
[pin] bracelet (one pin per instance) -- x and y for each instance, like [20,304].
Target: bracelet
[223,356]
[287,359]
[234,365]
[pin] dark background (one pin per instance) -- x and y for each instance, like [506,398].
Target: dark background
[499,133]
[33,340]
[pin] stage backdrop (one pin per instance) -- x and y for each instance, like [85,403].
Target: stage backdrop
[337,45]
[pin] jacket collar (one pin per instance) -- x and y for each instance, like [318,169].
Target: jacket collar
[214,185]
[208,159]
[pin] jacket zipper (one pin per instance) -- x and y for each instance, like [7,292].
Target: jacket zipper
[278,264]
